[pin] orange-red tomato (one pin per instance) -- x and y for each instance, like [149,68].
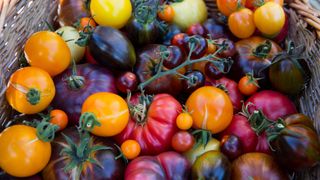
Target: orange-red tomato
[59,117]
[30,90]
[211,109]
[184,121]
[252,4]
[111,111]
[211,48]
[22,153]
[241,23]
[48,51]
[166,14]
[130,149]
[182,141]
[247,86]
[269,19]
[226,7]
[86,21]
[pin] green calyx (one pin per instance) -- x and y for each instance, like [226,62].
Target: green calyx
[88,121]
[252,79]
[139,111]
[145,13]
[202,137]
[33,96]
[80,153]
[46,131]
[74,81]
[262,50]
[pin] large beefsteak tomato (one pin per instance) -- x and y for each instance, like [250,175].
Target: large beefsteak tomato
[153,125]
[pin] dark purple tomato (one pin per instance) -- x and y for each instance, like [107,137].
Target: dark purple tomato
[195,80]
[127,82]
[196,29]
[199,47]
[231,146]
[212,71]
[175,58]
[230,48]
[180,40]
[215,30]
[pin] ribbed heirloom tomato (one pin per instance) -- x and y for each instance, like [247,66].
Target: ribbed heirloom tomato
[48,51]
[30,90]
[114,13]
[110,110]
[211,109]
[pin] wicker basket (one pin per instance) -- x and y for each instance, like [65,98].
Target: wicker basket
[20,18]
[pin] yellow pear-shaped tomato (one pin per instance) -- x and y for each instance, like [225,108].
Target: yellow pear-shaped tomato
[22,153]
[30,90]
[110,110]
[114,13]
[48,51]
[211,109]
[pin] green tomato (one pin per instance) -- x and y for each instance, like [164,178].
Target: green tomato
[194,153]
[189,12]
[70,35]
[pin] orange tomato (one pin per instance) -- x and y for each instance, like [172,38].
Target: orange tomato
[269,19]
[226,7]
[110,110]
[48,51]
[30,90]
[130,149]
[86,21]
[22,153]
[248,85]
[211,109]
[241,23]
[166,14]
[211,48]
[184,121]
[59,117]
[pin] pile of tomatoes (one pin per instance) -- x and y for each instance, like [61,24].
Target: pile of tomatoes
[152,89]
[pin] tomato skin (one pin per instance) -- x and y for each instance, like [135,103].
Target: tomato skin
[110,110]
[257,165]
[86,21]
[269,19]
[30,78]
[273,104]
[251,3]
[167,165]
[48,51]
[26,158]
[211,109]
[130,149]
[226,7]
[114,13]
[182,141]
[167,14]
[59,118]
[153,137]
[241,23]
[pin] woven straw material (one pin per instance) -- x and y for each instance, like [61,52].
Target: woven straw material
[28,16]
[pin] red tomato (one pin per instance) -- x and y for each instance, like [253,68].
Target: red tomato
[155,125]
[182,141]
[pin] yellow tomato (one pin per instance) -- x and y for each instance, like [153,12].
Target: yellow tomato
[110,110]
[48,51]
[30,90]
[269,19]
[114,13]
[22,153]
[211,109]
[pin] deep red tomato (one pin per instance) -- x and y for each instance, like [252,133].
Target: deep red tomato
[273,104]
[154,125]
[182,141]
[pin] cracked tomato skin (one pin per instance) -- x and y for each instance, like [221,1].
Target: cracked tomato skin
[211,109]
[155,133]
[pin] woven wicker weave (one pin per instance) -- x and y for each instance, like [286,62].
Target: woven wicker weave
[19,19]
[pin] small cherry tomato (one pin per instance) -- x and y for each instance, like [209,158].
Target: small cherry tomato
[166,14]
[184,121]
[86,23]
[211,48]
[182,141]
[226,7]
[241,23]
[212,71]
[179,40]
[248,85]
[196,29]
[269,19]
[127,82]
[231,146]
[59,117]
[130,149]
